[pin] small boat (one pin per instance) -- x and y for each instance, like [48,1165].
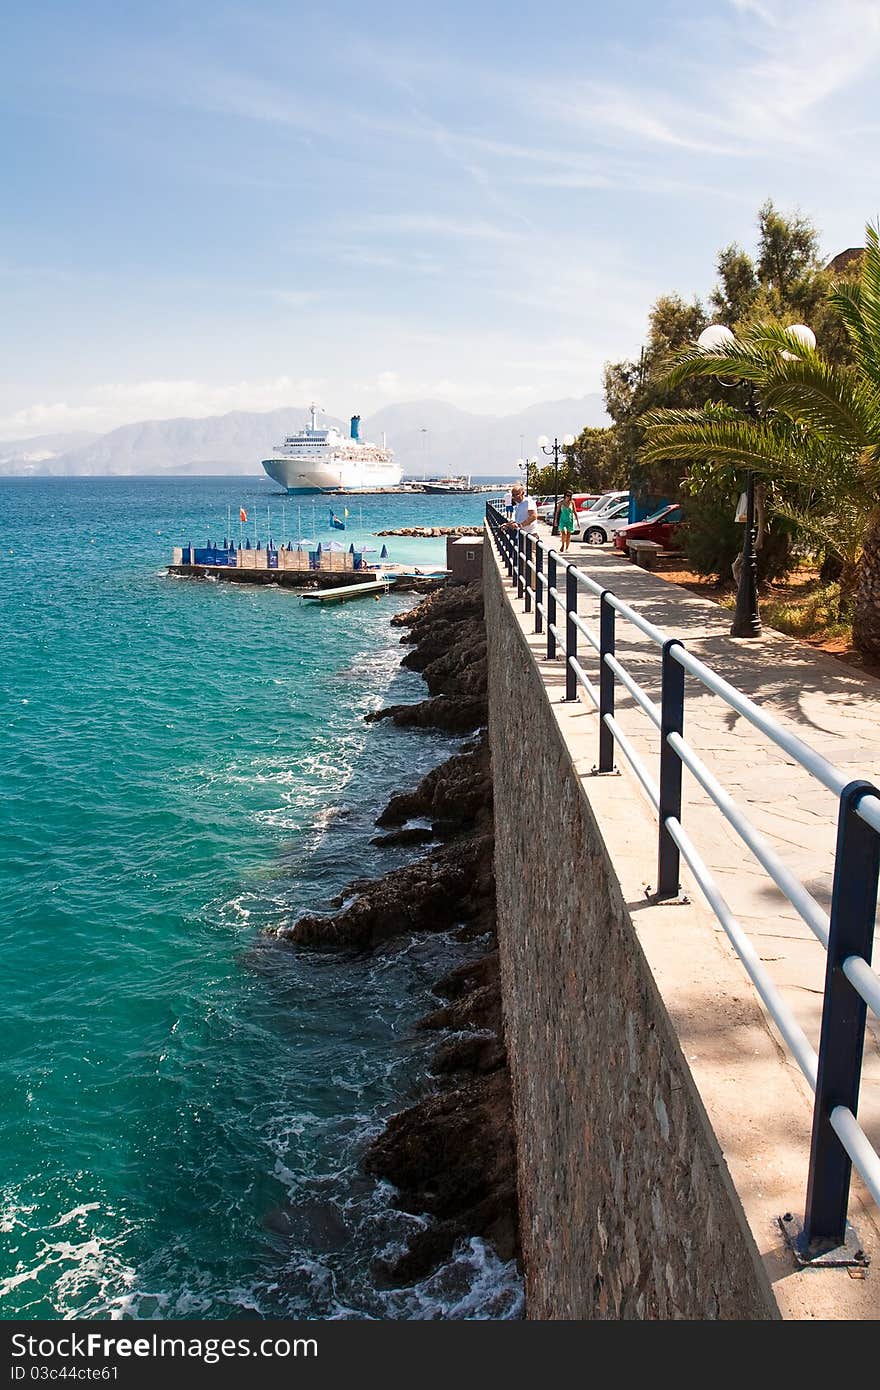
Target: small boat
[459,484]
[380,585]
[336,521]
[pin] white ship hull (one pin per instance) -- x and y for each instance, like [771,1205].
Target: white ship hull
[331,474]
[321,460]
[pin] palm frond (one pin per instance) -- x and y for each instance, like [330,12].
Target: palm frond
[711,434]
[831,400]
[778,448]
[839,532]
[859,307]
[737,360]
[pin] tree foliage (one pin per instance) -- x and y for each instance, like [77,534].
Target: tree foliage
[780,284]
[816,439]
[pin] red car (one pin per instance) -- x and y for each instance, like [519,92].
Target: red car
[661,527]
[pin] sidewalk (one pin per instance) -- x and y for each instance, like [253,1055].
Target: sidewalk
[833,708]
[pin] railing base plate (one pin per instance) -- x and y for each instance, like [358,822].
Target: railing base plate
[850,1255]
[601,772]
[680,900]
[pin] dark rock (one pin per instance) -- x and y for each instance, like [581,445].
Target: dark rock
[454,884]
[479,1008]
[411,835]
[474,975]
[319,1225]
[452,1156]
[457,794]
[456,716]
[474,1052]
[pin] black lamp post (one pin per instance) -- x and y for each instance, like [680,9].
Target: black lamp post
[524,465]
[746,617]
[547,448]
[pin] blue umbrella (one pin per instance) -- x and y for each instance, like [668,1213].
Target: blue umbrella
[383,554]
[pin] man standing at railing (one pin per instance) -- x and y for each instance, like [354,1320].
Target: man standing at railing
[525,512]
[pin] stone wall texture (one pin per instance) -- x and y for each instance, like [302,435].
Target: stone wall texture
[626,1207]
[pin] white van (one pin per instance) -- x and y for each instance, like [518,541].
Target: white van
[608,499]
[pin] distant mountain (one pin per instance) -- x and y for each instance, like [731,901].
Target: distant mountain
[433,437]
[21,457]
[428,437]
[232,443]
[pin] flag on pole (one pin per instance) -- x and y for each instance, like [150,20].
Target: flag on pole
[242,514]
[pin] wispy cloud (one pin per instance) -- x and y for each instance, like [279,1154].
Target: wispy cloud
[109,404]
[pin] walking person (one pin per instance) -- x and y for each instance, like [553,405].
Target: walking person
[567,522]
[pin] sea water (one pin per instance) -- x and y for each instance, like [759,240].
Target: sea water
[184,1099]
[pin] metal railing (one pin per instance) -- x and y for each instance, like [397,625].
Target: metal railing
[851,986]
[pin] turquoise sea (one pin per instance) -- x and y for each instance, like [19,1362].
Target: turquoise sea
[184,1099]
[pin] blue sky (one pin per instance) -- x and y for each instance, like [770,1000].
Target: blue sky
[218,206]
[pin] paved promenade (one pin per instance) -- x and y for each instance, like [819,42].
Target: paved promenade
[832,707]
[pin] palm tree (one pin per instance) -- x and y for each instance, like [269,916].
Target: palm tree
[818,431]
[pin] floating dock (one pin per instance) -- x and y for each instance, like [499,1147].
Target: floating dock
[339,594]
[381,583]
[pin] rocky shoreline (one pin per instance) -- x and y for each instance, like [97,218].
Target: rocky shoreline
[451,1156]
[426,532]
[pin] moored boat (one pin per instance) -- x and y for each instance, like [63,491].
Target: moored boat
[323,460]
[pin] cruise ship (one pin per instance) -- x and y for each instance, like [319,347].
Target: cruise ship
[323,460]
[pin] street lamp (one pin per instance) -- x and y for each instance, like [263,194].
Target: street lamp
[524,465]
[746,618]
[426,450]
[547,448]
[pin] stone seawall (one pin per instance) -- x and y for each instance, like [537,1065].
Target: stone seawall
[627,1209]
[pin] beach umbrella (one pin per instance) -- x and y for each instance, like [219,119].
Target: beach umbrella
[351,548]
[383,554]
[333,545]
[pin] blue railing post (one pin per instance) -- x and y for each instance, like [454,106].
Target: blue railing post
[853,909]
[606,682]
[551,604]
[671,721]
[571,632]
[539,585]
[528,574]
[520,562]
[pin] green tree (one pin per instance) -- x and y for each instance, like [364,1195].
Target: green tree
[631,388]
[593,463]
[817,440]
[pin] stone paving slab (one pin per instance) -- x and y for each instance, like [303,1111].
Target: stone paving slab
[835,709]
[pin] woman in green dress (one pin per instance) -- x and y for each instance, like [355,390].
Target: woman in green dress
[567,521]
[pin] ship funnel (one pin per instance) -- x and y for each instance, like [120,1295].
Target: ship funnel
[355,427]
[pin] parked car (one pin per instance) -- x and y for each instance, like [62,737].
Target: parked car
[599,527]
[582,500]
[661,527]
[606,500]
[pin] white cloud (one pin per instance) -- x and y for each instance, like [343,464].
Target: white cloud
[110,404]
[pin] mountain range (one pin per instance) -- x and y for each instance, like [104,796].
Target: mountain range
[428,437]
